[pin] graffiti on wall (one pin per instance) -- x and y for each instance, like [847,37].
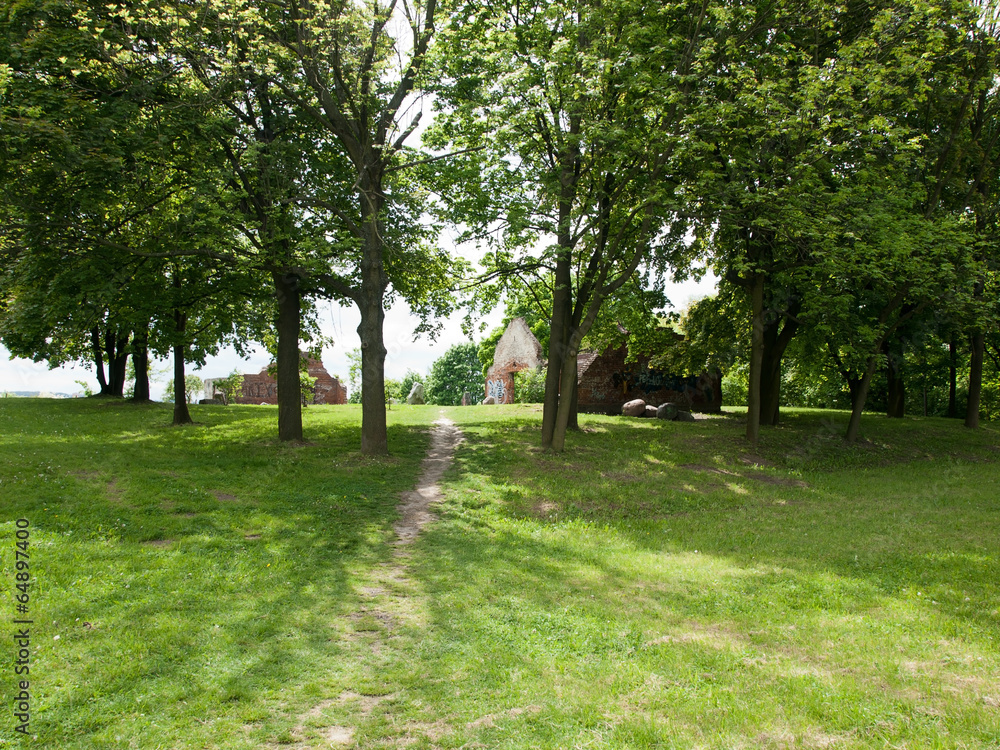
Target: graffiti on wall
[497,389]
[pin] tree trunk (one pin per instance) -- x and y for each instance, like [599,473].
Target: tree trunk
[975,380]
[140,363]
[952,377]
[117,362]
[181,413]
[858,404]
[896,403]
[566,401]
[770,386]
[95,344]
[286,289]
[374,433]
[574,417]
[756,357]
[558,344]
[777,336]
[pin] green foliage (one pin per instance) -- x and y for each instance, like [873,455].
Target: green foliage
[230,386]
[456,372]
[354,376]
[192,386]
[529,386]
[406,384]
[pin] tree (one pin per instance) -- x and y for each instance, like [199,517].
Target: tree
[317,109]
[87,228]
[804,114]
[453,374]
[584,104]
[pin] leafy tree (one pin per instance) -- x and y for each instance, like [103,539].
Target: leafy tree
[192,386]
[231,386]
[316,108]
[529,386]
[584,104]
[453,374]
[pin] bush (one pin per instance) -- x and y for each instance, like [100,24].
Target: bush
[529,386]
[456,372]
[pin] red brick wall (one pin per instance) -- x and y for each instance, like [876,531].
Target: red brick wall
[500,383]
[261,388]
[609,382]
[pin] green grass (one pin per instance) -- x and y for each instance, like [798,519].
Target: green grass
[658,585]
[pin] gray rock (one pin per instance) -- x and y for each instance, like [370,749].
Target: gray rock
[466,399]
[684,416]
[650,412]
[489,400]
[416,394]
[668,410]
[634,408]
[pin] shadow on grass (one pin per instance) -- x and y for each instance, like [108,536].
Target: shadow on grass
[181,570]
[913,509]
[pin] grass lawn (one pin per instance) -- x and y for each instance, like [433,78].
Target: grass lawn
[659,585]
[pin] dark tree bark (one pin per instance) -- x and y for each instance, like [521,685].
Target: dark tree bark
[562,301]
[574,417]
[288,294]
[952,377]
[98,350]
[858,405]
[756,356]
[778,334]
[116,343]
[896,404]
[181,413]
[374,282]
[975,380]
[140,362]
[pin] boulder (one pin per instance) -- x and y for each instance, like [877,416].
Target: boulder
[466,399]
[668,410]
[489,400]
[684,416]
[416,394]
[650,412]
[634,408]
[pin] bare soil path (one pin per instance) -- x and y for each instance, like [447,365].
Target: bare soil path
[415,505]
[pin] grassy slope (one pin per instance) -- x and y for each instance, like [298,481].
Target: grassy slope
[657,586]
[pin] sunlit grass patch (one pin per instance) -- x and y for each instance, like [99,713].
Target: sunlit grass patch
[658,585]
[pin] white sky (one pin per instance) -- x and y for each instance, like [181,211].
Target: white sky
[340,323]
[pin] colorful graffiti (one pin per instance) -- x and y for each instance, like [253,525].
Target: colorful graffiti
[497,389]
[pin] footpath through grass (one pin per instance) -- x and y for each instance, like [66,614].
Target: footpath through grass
[659,585]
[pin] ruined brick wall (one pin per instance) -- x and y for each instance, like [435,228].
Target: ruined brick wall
[328,389]
[518,349]
[258,388]
[608,382]
[500,383]
[261,388]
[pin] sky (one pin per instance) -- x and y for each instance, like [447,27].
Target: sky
[340,323]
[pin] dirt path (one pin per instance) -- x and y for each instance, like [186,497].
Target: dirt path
[414,506]
[389,598]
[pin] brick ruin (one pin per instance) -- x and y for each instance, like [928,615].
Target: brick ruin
[605,380]
[262,388]
[518,349]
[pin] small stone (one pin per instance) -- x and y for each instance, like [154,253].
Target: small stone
[667,411]
[634,408]
[416,394]
[650,412]
[490,400]
[684,416]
